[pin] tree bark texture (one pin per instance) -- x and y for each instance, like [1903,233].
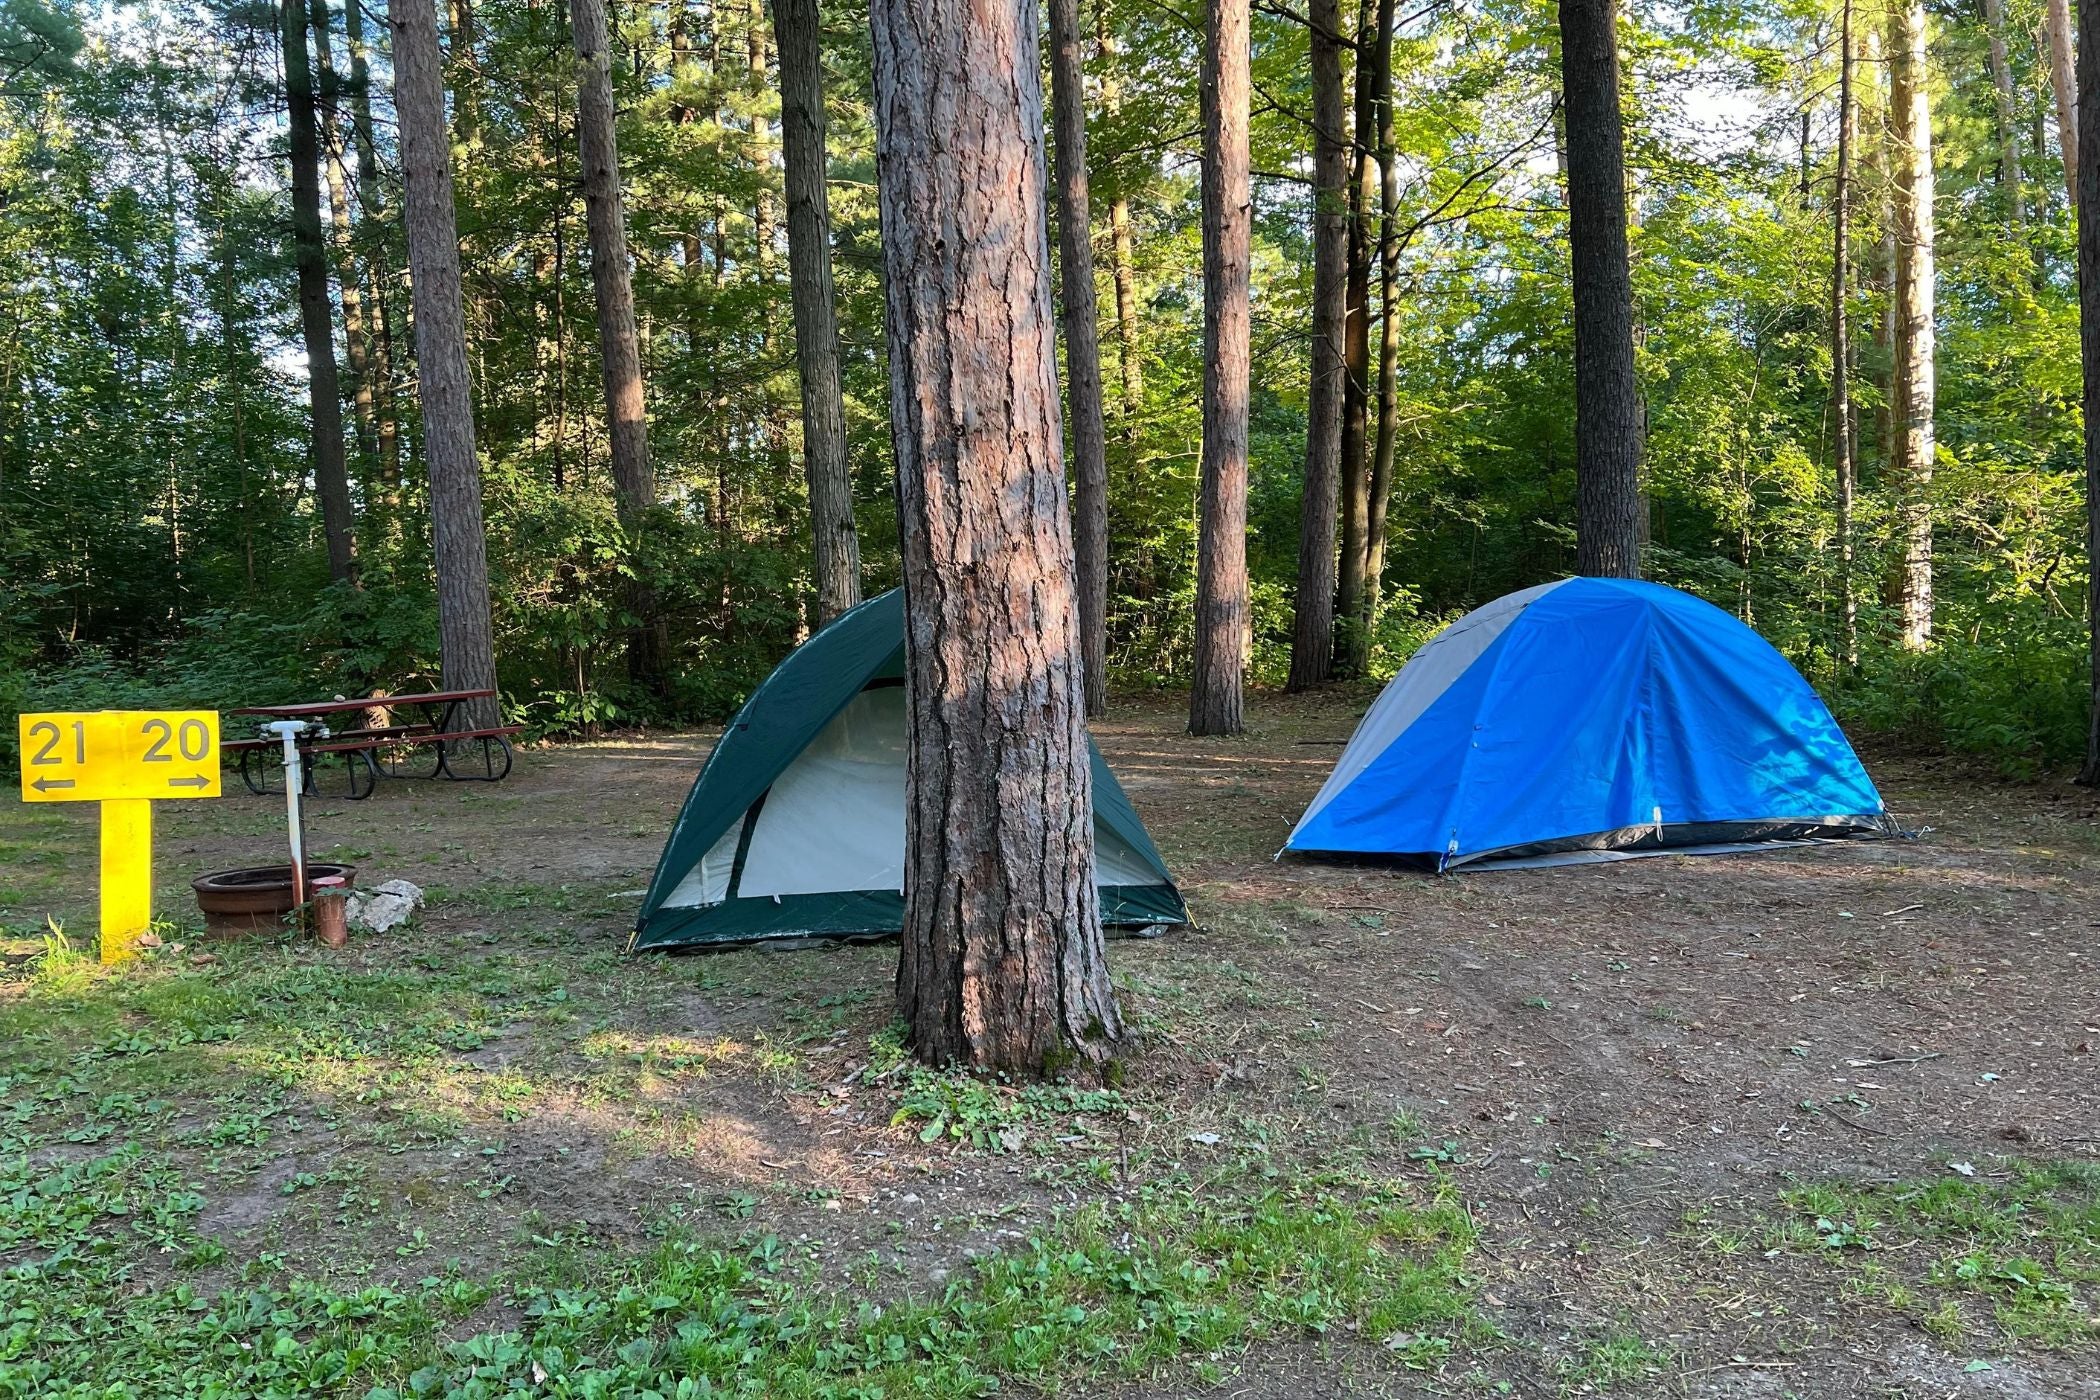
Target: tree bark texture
[2063,82]
[619,346]
[316,316]
[1312,635]
[1841,342]
[1356,342]
[464,633]
[1381,487]
[1075,254]
[1216,696]
[357,337]
[2089,350]
[1003,964]
[799,36]
[1607,398]
[1911,377]
[2008,125]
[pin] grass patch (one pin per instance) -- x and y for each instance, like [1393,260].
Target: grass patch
[2020,1248]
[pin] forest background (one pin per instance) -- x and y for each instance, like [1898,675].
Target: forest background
[161,540]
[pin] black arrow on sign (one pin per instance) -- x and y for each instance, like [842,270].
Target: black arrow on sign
[198,781]
[46,784]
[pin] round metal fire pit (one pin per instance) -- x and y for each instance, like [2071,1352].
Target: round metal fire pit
[236,903]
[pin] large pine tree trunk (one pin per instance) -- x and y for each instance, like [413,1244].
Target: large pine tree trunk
[1312,635]
[2007,123]
[1215,698]
[459,551]
[799,36]
[1003,964]
[1607,399]
[1356,342]
[2063,81]
[316,319]
[2089,348]
[1841,343]
[1911,376]
[1075,247]
[619,346]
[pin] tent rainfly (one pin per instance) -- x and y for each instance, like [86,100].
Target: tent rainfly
[1591,716]
[795,827]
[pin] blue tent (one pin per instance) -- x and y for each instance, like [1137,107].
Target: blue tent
[1591,715]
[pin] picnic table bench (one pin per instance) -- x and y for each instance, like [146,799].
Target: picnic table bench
[431,742]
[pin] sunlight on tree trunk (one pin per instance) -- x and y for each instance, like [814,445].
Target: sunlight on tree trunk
[1911,380]
[1003,964]
[2063,82]
[2089,354]
[1841,345]
[2008,128]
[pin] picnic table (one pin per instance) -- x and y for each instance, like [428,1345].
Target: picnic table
[430,742]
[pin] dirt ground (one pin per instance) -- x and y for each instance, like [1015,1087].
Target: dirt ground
[1626,1070]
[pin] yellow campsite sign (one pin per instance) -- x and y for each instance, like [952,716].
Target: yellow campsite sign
[109,754]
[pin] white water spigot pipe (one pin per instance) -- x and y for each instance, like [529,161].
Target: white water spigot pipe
[289,731]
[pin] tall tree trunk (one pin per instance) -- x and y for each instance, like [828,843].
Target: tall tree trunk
[1388,342]
[1607,399]
[1841,343]
[1215,698]
[466,86]
[1003,964]
[2063,80]
[2008,124]
[619,348]
[331,478]
[464,634]
[1312,635]
[1356,342]
[1911,379]
[1075,263]
[357,336]
[799,35]
[371,213]
[1122,252]
[2089,350]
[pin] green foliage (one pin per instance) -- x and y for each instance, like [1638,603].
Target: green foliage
[992,1115]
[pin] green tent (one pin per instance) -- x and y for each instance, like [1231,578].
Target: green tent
[795,828]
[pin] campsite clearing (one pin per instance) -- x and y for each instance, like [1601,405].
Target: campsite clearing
[1819,1122]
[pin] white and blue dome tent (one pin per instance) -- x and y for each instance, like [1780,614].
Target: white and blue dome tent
[1591,715]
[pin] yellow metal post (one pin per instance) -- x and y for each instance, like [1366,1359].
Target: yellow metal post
[127,875]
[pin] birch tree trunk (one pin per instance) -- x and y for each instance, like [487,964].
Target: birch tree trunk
[1002,964]
[1841,342]
[2089,351]
[1215,700]
[1312,635]
[459,551]
[1356,342]
[619,347]
[316,317]
[1911,376]
[2063,81]
[1607,399]
[2008,126]
[1082,351]
[798,33]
